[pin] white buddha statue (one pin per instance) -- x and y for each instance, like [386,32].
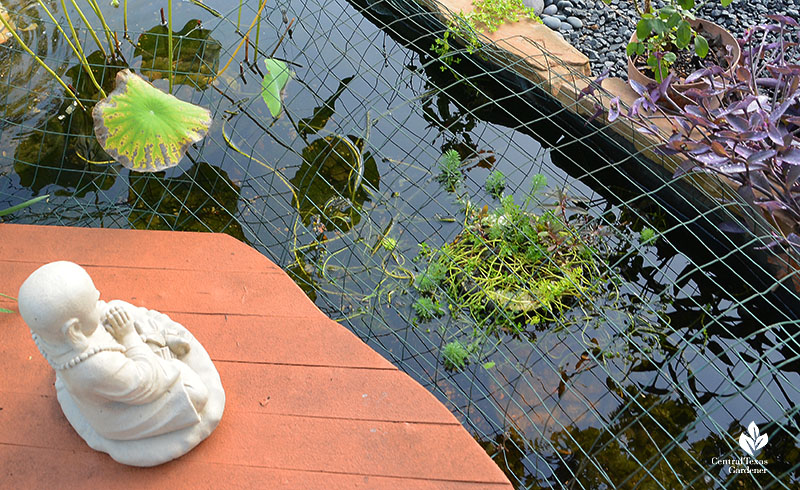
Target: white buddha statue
[132,382]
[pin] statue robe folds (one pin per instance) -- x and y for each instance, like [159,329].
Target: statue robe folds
[136,406]
[125,397]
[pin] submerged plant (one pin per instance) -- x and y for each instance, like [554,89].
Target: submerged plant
[145,129]
[647,235]
[496,183]
[455,355]
[427,309]
[450,175]
[511,268]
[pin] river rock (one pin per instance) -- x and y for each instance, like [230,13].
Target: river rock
[536,5]
[551,22]
[575,22]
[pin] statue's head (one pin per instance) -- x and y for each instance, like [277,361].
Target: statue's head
[60,303]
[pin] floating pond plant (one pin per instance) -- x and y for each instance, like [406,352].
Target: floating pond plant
[145,129]
[510,268]
[274,82]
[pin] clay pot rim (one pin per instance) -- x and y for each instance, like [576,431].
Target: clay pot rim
[736,51]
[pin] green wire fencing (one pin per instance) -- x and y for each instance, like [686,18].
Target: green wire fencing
[577,308]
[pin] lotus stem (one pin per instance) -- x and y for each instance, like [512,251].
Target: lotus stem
[13,209]
[40,61]
[169,42]
[258,28]
[111,45]
[89,26]
[125,18]
[205,7]
[239,18]
[288,26]
[78,52]
[244,38]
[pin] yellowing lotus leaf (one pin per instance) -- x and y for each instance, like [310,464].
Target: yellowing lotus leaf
[145,129]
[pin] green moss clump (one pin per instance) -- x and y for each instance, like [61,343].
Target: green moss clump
[455,355]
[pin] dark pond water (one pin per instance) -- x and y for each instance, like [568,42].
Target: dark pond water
[639,385]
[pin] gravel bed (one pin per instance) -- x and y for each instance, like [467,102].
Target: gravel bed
[602,31]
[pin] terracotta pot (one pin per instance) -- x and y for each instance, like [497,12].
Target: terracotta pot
[708,29]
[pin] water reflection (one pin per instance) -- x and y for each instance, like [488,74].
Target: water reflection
[196,54]
[330,182]
[49,155]
[203,198]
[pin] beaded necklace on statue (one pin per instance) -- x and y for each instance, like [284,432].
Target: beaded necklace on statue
[80,357]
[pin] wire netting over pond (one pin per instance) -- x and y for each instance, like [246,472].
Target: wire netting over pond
[572,304]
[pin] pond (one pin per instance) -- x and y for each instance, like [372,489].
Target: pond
[641,379]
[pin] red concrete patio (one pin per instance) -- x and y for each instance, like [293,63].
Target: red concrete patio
[308,404]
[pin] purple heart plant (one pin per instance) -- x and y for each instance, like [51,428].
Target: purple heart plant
[744,125]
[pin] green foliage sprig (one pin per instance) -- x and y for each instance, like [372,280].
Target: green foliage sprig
[450,175]
[496,183]
[662,33]
[487,15]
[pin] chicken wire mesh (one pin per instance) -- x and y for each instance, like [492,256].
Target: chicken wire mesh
[570,302]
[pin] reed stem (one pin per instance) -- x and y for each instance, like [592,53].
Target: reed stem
[89,26]
[244,39]
[125,18]
[40,61]
[78,53]
[169,42]
[258,30]
[111,44]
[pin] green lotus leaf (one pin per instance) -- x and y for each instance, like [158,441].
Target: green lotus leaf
[145,129]
[274,82]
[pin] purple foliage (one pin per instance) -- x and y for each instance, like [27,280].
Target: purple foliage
[743,124]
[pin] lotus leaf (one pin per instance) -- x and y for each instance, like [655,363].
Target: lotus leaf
[196,54]
[274,82]
[145,129]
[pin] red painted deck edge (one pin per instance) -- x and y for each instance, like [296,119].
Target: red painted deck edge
[309,404]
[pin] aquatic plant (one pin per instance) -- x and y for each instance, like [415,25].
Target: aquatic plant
[647,235]
[455,355]
[496,183]
[428,280]
[427,308]
[317,121]
[511,268]
[389,243]
[196,58]
[145,129]
[450,175]
[23,205]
